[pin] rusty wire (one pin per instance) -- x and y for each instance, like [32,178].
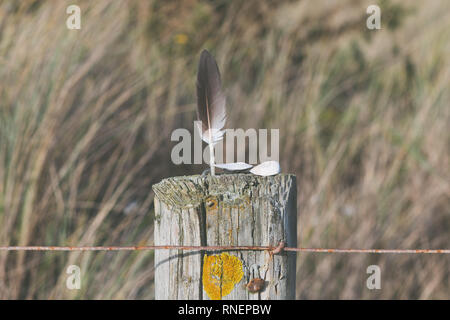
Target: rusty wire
[271,249]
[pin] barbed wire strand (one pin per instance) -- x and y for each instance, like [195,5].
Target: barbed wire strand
[221,248]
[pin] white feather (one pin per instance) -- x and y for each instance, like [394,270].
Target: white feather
[268,168]
[235,166]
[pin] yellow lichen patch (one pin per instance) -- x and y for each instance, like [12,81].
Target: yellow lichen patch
[220,274]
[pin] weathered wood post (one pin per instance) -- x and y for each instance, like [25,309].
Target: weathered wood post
[230,209]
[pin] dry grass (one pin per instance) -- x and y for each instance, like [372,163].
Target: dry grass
[86,118]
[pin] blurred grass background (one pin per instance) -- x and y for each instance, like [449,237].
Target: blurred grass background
[86,118]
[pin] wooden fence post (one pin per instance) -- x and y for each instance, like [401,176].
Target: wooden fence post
[229,209]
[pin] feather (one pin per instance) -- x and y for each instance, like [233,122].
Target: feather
[235,166]
[211,110]
[268,168]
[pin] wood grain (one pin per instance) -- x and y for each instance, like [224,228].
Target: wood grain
[231,209]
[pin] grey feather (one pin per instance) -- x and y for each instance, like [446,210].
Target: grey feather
[210,99]
[211,102]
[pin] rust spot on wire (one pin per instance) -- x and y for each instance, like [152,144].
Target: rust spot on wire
[278,249]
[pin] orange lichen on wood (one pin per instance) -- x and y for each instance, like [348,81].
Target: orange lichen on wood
[212,204]
[220,274]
